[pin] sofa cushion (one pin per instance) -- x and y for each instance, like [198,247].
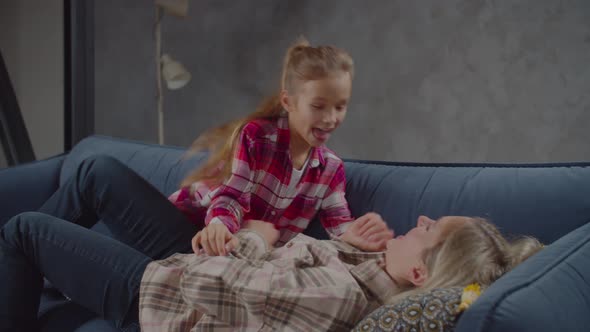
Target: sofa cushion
[548,292]
[546,200]
[28,186]
[163,166]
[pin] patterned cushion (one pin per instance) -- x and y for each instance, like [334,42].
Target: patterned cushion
[435,310]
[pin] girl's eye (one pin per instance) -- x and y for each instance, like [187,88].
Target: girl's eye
[341,108]
[317,107]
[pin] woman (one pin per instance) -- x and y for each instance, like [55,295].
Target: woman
[307,284]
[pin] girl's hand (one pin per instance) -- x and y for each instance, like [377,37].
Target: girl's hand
[215,239]
[368,233]
[265,229]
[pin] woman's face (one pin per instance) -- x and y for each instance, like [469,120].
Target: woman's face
[403,256]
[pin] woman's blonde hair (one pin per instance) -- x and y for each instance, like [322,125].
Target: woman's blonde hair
[301,63]
[474,252]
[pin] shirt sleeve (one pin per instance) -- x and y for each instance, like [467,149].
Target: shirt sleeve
[335,214]
[231,199]
[185,202]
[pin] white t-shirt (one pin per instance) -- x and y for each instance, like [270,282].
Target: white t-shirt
[296,176]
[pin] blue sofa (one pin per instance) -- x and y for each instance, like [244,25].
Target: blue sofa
[549,292]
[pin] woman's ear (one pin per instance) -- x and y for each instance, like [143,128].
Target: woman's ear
[418,274]
[285,100]
[424,221]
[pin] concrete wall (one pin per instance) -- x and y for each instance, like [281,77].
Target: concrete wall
[31,40]
[437,81]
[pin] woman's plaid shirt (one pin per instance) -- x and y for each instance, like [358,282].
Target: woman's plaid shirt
[306,285]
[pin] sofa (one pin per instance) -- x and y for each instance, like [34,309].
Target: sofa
[548,292]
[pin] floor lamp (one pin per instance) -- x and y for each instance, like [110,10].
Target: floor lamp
[173,72]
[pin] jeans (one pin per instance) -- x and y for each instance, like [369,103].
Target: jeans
[100,273]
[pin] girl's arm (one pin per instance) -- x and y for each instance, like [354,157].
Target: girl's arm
[232,197]
[253,241]
[334,213]
[369,232]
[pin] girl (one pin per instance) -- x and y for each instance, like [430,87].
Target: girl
[256,288]
[274,165]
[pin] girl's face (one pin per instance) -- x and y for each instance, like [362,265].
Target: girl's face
[317,108]
[403,256]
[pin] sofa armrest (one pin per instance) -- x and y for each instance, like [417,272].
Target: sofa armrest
[548,292]
[26,187]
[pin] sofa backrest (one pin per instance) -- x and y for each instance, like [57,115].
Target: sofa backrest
[544,200]
[163,166]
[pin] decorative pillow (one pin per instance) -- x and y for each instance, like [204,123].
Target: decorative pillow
[435,310]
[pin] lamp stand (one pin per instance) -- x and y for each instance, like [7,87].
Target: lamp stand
[159,94]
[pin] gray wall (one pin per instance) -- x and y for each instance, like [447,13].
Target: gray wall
[437,81]
[31,40]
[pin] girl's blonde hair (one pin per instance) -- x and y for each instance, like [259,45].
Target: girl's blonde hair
[301,63]
[474,252]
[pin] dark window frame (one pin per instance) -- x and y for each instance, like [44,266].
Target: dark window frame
[14,136]
[78,71]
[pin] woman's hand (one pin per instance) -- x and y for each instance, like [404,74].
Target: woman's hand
[265,229]
[215,239]
[368,233]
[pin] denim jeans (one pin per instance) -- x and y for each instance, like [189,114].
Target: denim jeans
[98,272]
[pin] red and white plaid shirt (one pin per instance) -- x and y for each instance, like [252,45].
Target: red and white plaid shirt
[259,186]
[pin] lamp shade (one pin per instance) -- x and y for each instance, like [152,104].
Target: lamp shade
[174,73]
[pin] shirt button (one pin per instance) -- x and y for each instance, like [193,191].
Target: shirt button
[289,245]
[315,163]
[273,213]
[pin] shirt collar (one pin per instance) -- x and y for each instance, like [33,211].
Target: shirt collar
[371,275]
[316,158]
[367,268]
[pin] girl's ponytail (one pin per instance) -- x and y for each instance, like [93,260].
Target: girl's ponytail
[221,143]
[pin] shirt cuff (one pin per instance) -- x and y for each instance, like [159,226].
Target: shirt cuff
[341,229]
[224,220]
[216,220]
[251,245]
[345,226]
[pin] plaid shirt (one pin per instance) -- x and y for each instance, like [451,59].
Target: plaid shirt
[259,186]
[307,285]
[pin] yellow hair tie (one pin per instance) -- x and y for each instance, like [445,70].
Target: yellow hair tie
[470,294]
